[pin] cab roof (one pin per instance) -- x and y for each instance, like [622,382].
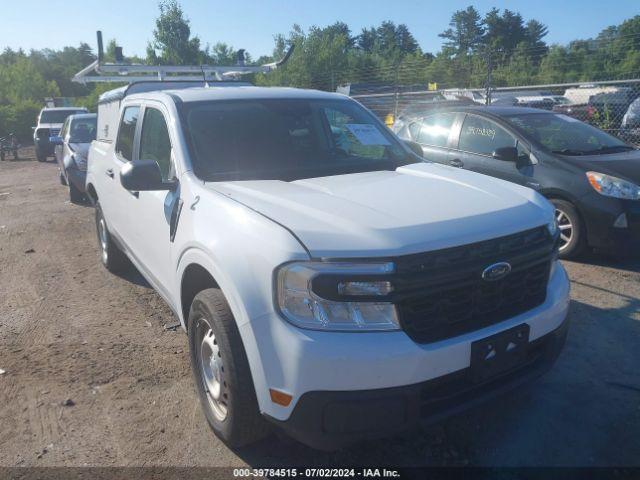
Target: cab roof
[198,94]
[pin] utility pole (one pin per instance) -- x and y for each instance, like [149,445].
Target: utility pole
[488,86]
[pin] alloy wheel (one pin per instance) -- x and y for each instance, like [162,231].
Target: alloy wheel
[566,229]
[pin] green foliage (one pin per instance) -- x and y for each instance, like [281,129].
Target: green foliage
[172,38]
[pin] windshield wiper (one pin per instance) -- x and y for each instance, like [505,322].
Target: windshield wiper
[610,149]
[569,151]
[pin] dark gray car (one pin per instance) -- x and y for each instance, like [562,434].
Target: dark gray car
[590,176]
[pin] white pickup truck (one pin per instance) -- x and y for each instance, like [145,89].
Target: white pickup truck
[332,283]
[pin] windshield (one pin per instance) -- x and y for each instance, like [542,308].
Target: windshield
[566,135]
[83,130]
[287,139]
[57,116]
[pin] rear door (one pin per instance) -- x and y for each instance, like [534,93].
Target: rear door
[479,138]
[112,195]
[434,133]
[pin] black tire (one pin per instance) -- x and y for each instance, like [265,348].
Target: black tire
[571,227]
[75,195]
[40,157]
[111,256]
[239,423]
[1,155]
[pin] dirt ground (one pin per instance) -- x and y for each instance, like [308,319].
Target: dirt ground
[92,377]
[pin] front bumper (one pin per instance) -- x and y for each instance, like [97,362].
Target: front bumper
[310,364]
[78,178]
[330,420]
[44,147]
[600,214]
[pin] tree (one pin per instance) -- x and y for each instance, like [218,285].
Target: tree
[465,31]
[503,32]
[172,38]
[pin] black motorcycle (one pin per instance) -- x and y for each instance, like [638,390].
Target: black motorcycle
[9,145]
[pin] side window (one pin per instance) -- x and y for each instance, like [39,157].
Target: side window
[414,130]
[434,130]
[126,133]
[482,136]
[154,141]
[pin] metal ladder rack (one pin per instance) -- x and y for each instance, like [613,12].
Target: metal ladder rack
[120,71]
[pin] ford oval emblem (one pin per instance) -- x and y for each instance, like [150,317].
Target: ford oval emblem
[496,271]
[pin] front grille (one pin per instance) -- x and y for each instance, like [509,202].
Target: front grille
[441,294]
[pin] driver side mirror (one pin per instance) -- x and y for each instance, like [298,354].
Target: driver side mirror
[508,154]
[143,175]
[415,148]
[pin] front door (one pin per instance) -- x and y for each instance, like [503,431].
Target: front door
[479,138]
[148,228]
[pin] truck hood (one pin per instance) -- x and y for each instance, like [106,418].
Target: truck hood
[416,208]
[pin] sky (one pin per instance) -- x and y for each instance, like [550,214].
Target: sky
[251,24]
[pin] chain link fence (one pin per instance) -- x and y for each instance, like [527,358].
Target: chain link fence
[613,106]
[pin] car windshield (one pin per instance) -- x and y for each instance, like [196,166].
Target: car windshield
[566,135]
[57,116]
[287,139]
[83,130]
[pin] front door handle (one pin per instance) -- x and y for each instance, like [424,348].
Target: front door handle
[109,172]
[456,162]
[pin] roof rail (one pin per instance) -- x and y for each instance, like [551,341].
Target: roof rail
[120,71]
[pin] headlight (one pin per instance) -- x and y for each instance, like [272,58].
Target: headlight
[339,296]
[613,186]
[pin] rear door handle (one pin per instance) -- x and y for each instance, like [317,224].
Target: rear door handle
[456,162]
[109,172]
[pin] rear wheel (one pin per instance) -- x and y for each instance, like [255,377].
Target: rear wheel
[572,236]
[40,157]
[111,256]
[221,371]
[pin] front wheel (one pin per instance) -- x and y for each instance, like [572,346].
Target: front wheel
[572,235]
[221,371]
[111,256]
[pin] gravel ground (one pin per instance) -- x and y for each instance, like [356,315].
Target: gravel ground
[92,377]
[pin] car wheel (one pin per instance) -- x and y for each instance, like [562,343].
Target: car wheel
[1,155]
[75,195]
[41,158]
[111,256]
[572,237]
[221,371]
